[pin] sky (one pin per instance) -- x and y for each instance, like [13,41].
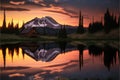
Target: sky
[63,11]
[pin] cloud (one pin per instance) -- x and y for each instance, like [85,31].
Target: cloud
[60,12]
[16,75]
[14,9]
[71,7]
[77,3]
[17,3]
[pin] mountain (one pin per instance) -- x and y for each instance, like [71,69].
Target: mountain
[44,25]
[42,22]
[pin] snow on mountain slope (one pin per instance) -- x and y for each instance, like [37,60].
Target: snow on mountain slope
[42,22]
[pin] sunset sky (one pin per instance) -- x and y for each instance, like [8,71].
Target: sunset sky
[63,11]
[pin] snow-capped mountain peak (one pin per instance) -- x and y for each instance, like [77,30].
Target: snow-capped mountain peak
[42,22]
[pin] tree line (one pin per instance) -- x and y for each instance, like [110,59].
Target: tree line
[11,28]
[110,23]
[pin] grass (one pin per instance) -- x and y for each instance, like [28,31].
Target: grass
[114,35]
[12,39]
[86,37]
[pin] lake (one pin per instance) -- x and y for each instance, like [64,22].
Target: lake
[59,61]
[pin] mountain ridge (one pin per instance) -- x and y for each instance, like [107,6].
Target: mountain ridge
[42,22]
[45,25]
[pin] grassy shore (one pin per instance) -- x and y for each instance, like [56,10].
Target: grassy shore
[82,39]
[99,36]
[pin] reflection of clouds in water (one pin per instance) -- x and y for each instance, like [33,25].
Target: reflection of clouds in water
[16,75]
[63,64]
[52,72]
[37,77]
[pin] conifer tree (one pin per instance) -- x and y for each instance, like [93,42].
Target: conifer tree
[4,21]
[110,21]
[62,32]
[80,28]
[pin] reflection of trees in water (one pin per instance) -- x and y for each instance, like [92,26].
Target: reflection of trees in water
[110,52]
[4,54]
[11,49]
[62,46]
[95,50]
[109,56]
[81,48]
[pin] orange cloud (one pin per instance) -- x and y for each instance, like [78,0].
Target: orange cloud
[16,75]
[17,3]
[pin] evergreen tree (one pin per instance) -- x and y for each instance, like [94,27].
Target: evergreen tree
[62,32]
[17,28]
[107,21]
[3,28]
[12,25]
[4,21]
[11,28]
[80,28]
[95,27]
[9,25]
[110,22]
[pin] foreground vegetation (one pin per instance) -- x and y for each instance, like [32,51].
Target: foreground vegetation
[114,35]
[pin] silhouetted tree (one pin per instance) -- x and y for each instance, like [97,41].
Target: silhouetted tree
[10,28]
[62,32]
[95,27]
[9,25]
[109,21]
[12,25]
[4,21]
[16,28]
[80,28]
[3,28]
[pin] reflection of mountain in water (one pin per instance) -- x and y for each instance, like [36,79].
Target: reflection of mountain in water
[42,54]
[49,51]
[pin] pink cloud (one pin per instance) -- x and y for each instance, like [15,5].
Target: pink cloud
[17,3]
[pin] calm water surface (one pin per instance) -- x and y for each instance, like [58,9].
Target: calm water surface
[51,61]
